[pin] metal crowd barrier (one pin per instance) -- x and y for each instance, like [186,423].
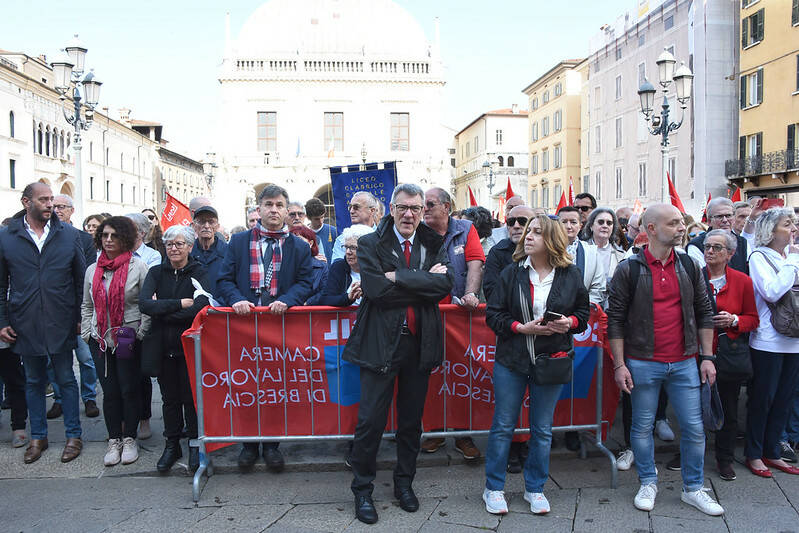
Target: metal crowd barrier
[206,465]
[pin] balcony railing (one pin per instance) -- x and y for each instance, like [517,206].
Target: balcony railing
[770,163]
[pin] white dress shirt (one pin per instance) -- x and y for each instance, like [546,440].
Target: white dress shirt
[38,241]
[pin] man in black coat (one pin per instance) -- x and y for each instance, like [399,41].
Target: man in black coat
[398,336]
[501,254]
[42,264]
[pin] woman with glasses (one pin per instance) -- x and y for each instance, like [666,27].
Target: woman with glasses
[113,326]
[318,263]
[154,238]
[773,266]
[343,287]
[168,298]
[91,222]
[692,231]
[735,314]
[542,279]
[602,230]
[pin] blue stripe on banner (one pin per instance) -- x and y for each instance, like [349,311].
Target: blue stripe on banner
[346,181]
[585,358]
[344,381]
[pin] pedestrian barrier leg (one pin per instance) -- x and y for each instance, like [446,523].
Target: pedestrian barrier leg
[205,460]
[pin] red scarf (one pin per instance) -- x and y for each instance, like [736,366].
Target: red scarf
[115,298]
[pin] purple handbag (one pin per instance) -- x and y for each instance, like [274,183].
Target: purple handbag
[126,339]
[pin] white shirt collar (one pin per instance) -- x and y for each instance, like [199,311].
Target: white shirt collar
[402,239]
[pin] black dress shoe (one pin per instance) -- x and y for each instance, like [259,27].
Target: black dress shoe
[248,456]
[194,458]
[365,509]
[514,463]
[572,441]
[172,453]
[407,499]
[274,459]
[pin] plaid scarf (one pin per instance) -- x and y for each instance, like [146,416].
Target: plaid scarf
[260,277]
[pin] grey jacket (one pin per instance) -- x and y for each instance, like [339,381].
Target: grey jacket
[631,316]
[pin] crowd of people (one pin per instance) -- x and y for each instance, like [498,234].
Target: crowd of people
[688,306]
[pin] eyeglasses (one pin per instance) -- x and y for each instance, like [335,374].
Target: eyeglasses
[603,222]
[714,247]
[402,208]
[431,205]
[296,214]
[583,208]
[177,245]
[205,222]
[728,216]
[354,206]
[512,221]
[105,236]
[151,217]
[350,248]
[62,206]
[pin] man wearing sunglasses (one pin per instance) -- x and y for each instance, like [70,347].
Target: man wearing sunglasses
[584,203]
[721,215]
[364,209]
[501,233]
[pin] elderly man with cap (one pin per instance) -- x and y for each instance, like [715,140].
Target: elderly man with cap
[208,248]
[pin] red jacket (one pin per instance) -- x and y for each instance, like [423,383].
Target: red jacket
[737,297]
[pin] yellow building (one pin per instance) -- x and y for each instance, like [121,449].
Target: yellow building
[768,160]
[554,133]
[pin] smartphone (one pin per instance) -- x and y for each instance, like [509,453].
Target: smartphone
[768,203]
[550,316]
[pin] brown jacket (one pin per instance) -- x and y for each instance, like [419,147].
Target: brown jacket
[631,316]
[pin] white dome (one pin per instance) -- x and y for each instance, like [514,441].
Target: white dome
[332,27]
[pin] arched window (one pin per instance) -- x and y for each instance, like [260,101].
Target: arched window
[11,124]
[61,145]
[47,135]
[501,161]
[510,160]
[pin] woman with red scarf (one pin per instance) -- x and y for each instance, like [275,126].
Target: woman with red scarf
[113,326]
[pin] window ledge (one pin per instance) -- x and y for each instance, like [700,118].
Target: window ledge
[752,106]
[795,92]
[750,45]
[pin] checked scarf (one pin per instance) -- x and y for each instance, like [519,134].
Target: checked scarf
[261,277]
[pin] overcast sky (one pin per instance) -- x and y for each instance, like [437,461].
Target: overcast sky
[160,58]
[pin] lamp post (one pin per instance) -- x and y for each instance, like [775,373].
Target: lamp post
[68,71]
[661,124]
[489,170]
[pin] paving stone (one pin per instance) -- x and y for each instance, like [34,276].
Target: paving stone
[465,510]
[317,517]
[515,522]
[157,519]
[242,518]
[600,509]
[391,518]
[669,524]
[248,489]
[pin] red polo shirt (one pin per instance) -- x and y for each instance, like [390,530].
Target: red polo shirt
[667,310]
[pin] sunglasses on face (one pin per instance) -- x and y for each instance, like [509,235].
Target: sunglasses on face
[512,221]
[603,222]
[151,217]
[583,208]
[715,247]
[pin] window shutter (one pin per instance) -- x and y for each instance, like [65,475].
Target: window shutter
[759,141]
[795,12]
[758,29]
[791,145]
[743,91]
[759,96]
[742,147]
[744,32]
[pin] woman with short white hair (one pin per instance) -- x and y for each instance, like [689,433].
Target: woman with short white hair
[773,267]
[343,286]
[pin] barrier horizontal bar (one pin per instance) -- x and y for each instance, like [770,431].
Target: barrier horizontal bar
[303,309]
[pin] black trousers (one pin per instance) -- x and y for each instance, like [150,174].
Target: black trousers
[121,382]
[177,398]
[729,392]
[13,375]
[376,394]
[146,398]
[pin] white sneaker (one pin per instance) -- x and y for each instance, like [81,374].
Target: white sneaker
[645,499]
[538,502]
[702,501]
[625,460]
[130,450]
[112,456]
[664,431]
[495,501]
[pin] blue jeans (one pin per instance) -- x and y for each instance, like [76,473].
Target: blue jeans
[682,385]
[88,375]
[35,385]
[509,389]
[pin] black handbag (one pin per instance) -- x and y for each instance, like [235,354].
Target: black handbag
[151,354]
[712,410]
[549,370]
[733,360]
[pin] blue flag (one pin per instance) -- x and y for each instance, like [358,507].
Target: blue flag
[346,181]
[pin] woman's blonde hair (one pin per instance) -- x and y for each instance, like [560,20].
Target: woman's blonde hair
[555,240]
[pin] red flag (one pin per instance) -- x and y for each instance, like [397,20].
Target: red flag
[571,191]
[675,198]
[704,213]
[509,193]
[174,213]
[736,196]
[472,200]
[637,207]
[562,202]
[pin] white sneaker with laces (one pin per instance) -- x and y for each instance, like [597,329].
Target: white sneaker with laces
[495,501]
[112,456]
[664,431]
[538,502]
[702,501]
[130,450]
[645,499]
[625,460]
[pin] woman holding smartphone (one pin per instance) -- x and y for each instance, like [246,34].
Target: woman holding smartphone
[540,297]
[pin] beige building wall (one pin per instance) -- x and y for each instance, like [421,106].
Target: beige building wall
[554,133]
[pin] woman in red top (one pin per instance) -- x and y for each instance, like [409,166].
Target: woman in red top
[735,315]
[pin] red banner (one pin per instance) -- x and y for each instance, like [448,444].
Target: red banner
[174,213]
[273,375]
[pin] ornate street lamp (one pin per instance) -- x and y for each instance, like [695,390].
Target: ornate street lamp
[68,72]
[660,124]
[490,181]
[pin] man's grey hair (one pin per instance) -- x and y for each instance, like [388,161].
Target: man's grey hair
[443,197]
[356,231]
[764,227]
[67,199]
[251,210]
[738,205]
[732,242]
[408,188]
[198,202]
[141,222]
[297,204]
[715,203]
[173,232]
[371,199]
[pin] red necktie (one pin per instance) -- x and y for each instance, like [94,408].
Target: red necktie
[410,316]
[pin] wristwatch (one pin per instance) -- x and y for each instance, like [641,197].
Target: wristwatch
[703,358]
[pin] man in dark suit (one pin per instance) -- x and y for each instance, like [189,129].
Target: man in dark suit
[265,266]
[398,337]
